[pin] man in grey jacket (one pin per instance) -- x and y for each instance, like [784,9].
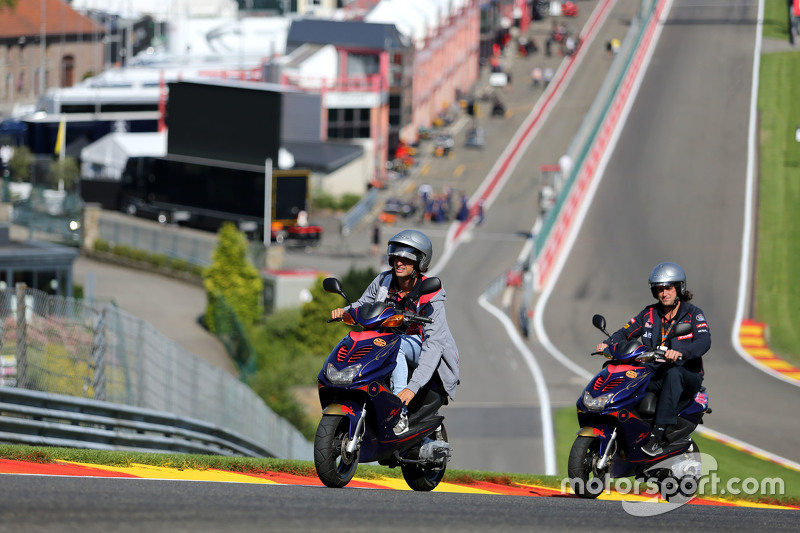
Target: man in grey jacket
[429,350]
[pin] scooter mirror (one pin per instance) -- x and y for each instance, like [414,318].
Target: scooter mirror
[599,321]
[335,286]
[430,285]
[332,285]
[684,328]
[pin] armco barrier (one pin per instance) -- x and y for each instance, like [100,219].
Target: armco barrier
[44,419]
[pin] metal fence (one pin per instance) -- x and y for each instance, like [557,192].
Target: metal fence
[57,213]
[172,241]
[65,346]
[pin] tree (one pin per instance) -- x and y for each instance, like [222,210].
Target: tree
[20,164]
[63,171]
[233,277]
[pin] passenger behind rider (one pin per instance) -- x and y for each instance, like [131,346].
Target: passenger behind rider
[681,376]
[427,350]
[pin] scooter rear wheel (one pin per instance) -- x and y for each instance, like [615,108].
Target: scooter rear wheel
[425,478]
[335,467]
[582,462]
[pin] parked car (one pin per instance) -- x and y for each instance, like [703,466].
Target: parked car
[476,138]
[399,207]
[443,144]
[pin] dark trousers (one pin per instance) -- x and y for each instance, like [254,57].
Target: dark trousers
[672,385]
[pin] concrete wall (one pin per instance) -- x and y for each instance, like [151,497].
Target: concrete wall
[287,289]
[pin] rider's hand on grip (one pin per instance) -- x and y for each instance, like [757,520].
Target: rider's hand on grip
[336,315]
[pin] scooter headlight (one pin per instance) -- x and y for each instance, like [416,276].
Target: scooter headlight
[342,377]
[596,404]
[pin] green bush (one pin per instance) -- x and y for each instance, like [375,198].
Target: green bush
[158,260]
[122,250]
[77,291]
[21,163]
[233,277]
[179,264]
[348,200]
[138,255]
[65,172]
[101,246]
[325,201]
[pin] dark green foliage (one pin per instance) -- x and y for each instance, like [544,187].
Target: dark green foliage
[313,328]
[158,260]
[326,201]
[122,250]
[178,264]
[348,200]
[356,281]
[21,163]
[64,172]
[284,362]
[139,255]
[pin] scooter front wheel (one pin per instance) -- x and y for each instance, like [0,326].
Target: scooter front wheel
[335,467]
[583,459]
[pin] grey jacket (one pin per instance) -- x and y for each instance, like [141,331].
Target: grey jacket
[439,352]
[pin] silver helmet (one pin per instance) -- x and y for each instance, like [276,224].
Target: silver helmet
[668,274]
[411,244]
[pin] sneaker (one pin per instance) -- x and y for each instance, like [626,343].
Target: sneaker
[402,423]
[653,447]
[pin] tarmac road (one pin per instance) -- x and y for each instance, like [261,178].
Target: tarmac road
[674,190]
[494,422]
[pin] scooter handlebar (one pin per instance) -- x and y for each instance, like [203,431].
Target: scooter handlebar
[419,319]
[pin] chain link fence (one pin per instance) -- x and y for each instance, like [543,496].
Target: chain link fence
[67,346]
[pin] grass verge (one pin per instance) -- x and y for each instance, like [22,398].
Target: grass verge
[778,238]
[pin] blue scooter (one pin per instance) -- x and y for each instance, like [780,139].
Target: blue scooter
[359,409]
[616,412]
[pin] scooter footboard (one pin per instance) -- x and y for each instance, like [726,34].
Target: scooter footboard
[680,430]
[425,404]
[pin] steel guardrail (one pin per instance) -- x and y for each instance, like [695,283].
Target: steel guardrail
[46,419]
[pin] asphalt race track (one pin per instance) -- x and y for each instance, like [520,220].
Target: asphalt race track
[180,501]
[674,190]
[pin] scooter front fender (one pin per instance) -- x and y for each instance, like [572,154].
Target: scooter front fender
[338,409]
[590,431]
[354,413]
